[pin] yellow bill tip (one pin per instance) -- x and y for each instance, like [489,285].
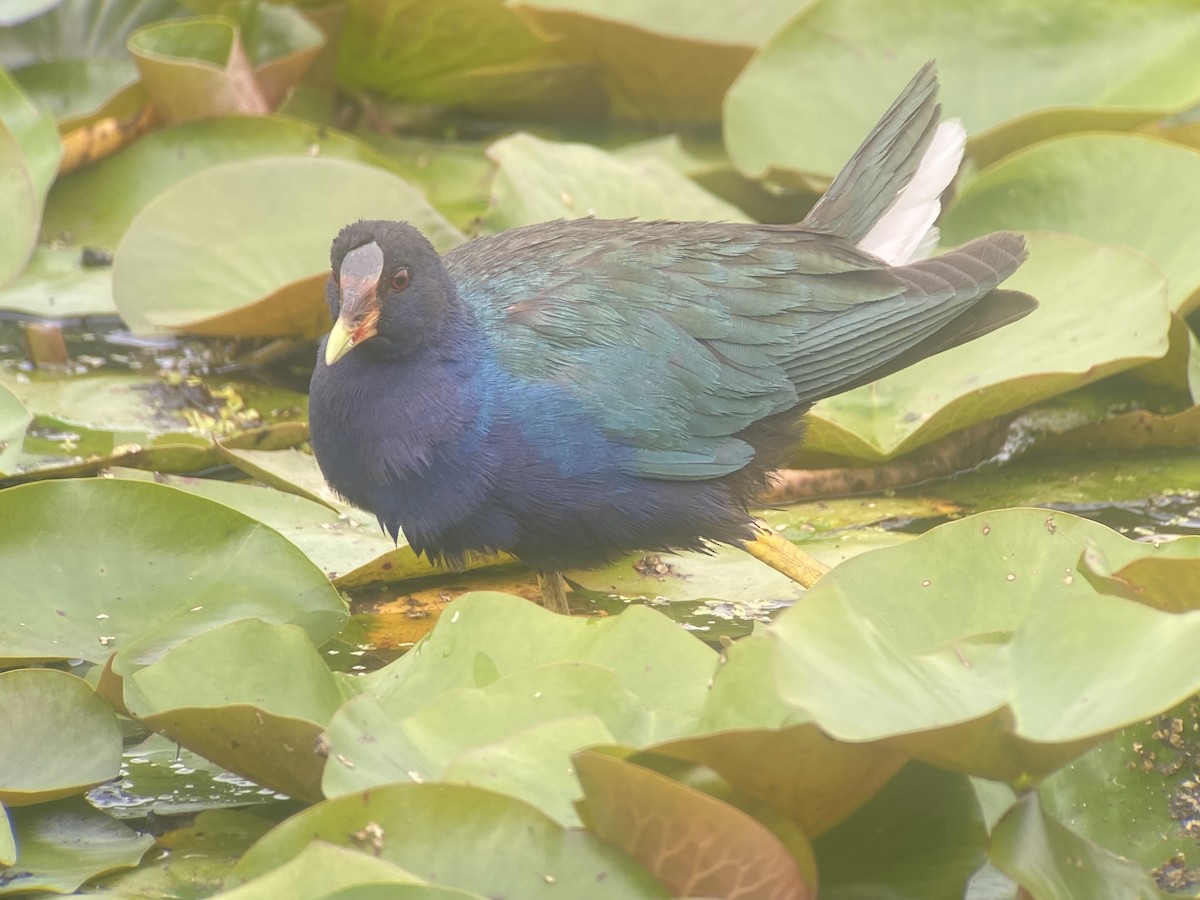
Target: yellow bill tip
[340,342]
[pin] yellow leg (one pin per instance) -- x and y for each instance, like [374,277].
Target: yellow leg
[783,556]
[554,592]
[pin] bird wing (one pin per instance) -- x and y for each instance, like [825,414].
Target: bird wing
[676,337]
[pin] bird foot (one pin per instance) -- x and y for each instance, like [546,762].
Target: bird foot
[783,556]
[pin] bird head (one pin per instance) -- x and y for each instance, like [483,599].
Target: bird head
[388,286]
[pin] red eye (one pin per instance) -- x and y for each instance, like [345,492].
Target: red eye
[400,280]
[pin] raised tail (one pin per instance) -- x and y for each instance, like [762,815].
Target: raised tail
[887,196]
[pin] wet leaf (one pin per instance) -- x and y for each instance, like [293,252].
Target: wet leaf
[541,180]
[219,694]
[46,708]
[462,837]
[935,840]
[1019,364]
[804,103]
[206,256]
[1054,863]
[1112,188]
[63,844]
[694,843]
[1133,793]
[177,565]
[29,153]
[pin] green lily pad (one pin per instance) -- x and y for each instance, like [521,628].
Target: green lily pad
[461,837]
[989,653]
[935,840]
[1112,188]
[475,54]
[336,543]
[81,29]
[1019,364]
[219,694]
[56,285]
[553,710]
[197,68]
[29,154]
[8,842]
[693,842]
[804,103]
[322,868]
[207,255]
[1130,794]
[150,566]
[661,61]
[23,10]
[46,708]
[482,637]
[77,92]
[200,856]
[14,419]
[63,844]
[1050,861]
[83,423]
[541,180]
[97,204]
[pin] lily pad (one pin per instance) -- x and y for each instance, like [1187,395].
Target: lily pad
[176,566]
[1062,345]
[460,837]
[61,845]
[207,255]
[219,694]
[1128,793]
[197,68]
[29,153]
[96,204]
[804,103]
[541,180]
[668,61]
[321,868]
[56,285]
[1005,656]
[475,54]
[1050,861]
[14,419]
[1112,188]
[44,708]
[77,92]
[935,840]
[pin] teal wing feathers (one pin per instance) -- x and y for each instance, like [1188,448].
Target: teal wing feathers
[677,337]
